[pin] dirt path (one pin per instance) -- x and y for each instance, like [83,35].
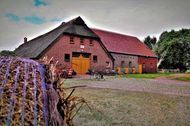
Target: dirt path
[160,85]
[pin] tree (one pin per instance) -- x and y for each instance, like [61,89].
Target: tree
[7,53]
[173,49]
[150,42]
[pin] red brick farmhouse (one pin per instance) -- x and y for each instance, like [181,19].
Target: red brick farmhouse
[77,46]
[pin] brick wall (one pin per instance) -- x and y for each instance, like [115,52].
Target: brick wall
[63,46]
[123,61]
[149,64]
[119,58]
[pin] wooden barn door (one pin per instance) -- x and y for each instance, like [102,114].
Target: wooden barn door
[81,63]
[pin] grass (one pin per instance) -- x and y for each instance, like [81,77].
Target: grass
[183,78]
[147,76]
[128,108]
[121,108]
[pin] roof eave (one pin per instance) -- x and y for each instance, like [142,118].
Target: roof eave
[133,54]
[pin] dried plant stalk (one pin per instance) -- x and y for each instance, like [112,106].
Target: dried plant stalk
[31,94]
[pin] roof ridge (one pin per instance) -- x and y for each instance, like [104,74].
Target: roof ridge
[74,26]
[61,25]
[112,32]
[72,19]
[47,32]
[116,42]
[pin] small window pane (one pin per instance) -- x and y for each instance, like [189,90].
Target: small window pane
[122,63]
[67,57]
[91,42]
[143,65]
[81,41]
[130,64]
[71,40]
[107,64]
[76,54]
[95,59]
[85,55]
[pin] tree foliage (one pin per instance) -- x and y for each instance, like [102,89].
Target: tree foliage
[7,53]
[150,42]
[173,48]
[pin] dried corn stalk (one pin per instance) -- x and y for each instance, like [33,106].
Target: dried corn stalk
[66,106]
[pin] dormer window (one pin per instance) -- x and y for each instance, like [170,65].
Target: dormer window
[91,42]
[81,41]
[72,40]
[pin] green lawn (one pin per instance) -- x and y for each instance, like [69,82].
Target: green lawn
[125,108]
[180,77]
[147,76]
[184,78]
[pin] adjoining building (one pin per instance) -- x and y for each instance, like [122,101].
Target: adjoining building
[128,51]
[77,46]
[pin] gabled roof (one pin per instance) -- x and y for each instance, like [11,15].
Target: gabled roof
[34,47]
[119,43]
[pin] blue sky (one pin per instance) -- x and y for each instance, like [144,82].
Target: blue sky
[35,19]
[31,18]
[12,17]
[39,3]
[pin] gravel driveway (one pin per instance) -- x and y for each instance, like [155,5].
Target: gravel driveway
[160,85]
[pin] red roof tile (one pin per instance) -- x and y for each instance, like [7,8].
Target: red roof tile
[120,43]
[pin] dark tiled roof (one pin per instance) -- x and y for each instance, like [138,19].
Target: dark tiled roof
[34,47]
[120,43]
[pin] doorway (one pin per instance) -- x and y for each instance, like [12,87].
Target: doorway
[81,62]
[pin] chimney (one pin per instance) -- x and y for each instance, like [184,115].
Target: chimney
[25,39]
[62,23]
